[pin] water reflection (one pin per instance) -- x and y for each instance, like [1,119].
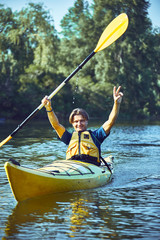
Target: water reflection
[78,216]
[107,213]
[68,213]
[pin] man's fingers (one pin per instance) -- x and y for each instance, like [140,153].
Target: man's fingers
[118,90]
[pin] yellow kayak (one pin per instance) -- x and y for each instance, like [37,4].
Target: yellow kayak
[60,176]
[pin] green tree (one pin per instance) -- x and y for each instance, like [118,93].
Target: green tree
[8,65]
[77,43]
[30,45]
[34,60]
[130,61]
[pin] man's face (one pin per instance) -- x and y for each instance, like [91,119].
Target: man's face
[79,123]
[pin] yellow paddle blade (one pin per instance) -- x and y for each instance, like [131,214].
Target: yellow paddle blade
[5,141]
[112,32]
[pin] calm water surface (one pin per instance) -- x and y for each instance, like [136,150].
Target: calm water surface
[127,208]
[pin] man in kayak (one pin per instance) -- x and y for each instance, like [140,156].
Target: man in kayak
[83,144]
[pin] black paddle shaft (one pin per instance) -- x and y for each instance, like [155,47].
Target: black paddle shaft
[24,122]
[79,67]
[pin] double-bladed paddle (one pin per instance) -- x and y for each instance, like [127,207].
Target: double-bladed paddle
[112,32]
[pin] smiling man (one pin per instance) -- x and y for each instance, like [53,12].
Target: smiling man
[83,144]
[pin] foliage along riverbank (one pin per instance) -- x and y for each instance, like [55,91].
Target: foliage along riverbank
[35,59]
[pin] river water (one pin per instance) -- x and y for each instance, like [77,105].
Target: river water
[126,208]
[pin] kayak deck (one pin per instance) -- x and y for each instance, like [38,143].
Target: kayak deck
[67,168]
[60,176]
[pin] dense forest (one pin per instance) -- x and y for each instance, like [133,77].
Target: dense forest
[35,59]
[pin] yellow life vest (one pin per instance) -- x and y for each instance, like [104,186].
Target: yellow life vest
[82,147]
